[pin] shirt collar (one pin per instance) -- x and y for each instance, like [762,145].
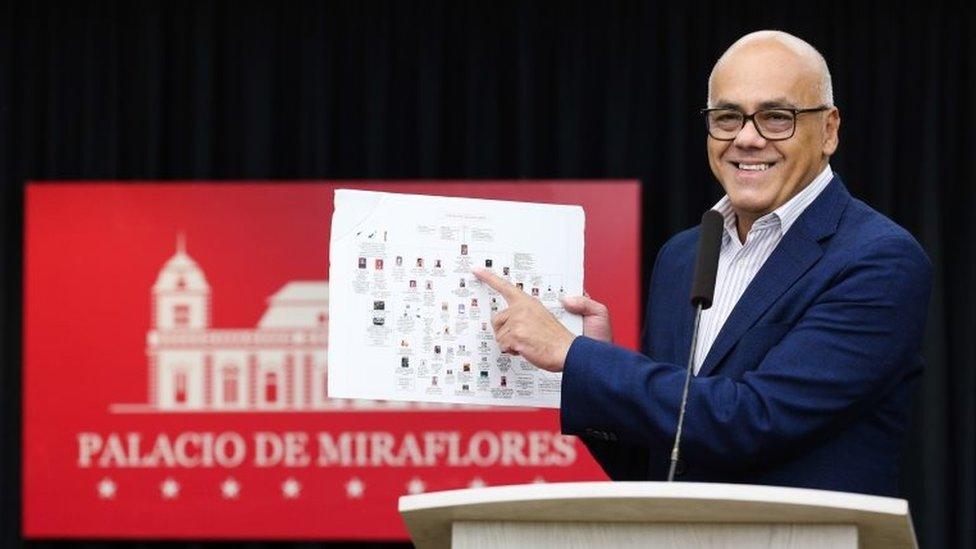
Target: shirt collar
[785,215]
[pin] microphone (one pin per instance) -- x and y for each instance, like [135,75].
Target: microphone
[706,267]
[702,291]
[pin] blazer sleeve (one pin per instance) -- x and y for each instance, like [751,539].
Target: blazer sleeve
[849,347]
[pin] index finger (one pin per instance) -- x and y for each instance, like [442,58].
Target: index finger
[497,283]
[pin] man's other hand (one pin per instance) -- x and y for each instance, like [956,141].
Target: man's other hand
[526,327]
[596,317]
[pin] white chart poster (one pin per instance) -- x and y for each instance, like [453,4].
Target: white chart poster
[408,319]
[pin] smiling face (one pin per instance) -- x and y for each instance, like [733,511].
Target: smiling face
[761,175]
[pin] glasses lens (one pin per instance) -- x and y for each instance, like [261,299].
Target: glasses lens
[725,123]
[775,123]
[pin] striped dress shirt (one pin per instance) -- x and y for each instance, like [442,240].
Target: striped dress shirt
[739,262]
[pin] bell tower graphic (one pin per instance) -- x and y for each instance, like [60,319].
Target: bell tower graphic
[181,295]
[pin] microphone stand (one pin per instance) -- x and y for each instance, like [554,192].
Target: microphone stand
[702,289]
[675,452]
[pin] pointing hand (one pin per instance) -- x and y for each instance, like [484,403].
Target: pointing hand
[526,327]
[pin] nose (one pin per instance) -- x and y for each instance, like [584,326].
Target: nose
[749,137]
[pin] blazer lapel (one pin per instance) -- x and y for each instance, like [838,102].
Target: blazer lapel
[798,251]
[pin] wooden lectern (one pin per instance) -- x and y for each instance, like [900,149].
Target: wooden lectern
[655,514]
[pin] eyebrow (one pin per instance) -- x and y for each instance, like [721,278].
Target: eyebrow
[778,103]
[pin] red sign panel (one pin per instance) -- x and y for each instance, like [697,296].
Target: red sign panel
[175,367]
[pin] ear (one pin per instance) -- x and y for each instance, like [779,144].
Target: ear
[831,132]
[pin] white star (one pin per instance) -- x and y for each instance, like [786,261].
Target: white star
[230,488]
[106,488]
[355,488]
[290,488]
[169,488]
[416,486]
[476,482]
[538,480]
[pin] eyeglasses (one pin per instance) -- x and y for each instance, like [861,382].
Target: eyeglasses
[772,124]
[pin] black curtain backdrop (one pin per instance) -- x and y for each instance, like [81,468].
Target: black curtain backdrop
[414,89]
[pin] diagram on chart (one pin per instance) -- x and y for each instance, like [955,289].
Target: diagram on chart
[409,319]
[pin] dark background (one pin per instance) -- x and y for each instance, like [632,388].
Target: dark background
[405,89]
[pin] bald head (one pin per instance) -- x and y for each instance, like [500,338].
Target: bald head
[765,41]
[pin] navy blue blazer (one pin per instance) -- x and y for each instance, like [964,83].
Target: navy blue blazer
[808,383]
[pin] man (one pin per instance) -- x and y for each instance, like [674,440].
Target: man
[806,361]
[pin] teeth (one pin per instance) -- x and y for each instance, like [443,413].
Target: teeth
[753,167]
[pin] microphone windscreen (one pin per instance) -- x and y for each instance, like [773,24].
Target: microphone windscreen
[706,266]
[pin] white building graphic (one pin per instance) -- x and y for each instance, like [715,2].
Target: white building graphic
[278,366]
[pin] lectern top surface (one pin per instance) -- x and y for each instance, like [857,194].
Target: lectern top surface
[697,491]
